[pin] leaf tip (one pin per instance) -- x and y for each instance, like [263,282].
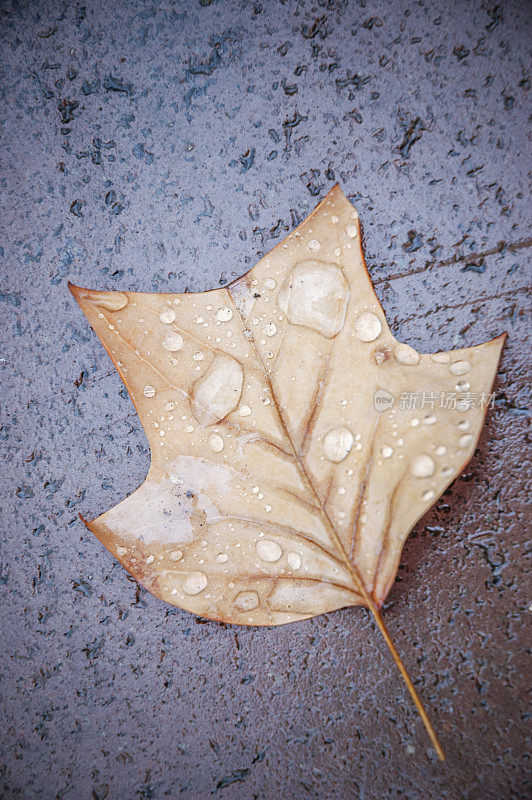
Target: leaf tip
[86,522]
[77,292]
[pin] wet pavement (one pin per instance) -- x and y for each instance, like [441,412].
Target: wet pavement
[165,146]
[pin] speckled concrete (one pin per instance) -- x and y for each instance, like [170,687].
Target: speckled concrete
[158,146]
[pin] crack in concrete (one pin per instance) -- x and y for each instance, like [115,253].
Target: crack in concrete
[458,258]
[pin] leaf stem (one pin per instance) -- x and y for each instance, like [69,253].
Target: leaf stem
[410,686]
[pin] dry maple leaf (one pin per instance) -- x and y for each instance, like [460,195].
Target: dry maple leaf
[287,468]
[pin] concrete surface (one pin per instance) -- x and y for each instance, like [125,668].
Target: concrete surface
[158,146]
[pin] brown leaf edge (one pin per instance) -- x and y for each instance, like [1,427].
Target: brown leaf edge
[372,605]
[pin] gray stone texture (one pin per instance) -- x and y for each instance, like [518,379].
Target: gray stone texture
[160,146]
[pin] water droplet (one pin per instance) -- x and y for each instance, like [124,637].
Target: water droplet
[316,296]
[368,327]
[216,443]
[430,419]
[198,356]
[150,559]
[176,555]
[351,231]
[414,422]
[246,601]
[337,251]
[270,329]
[386,451]
[111,301]
[149,391]
[464,425]
[441,358]
[172,341]
[428,495]
[218,391]
[463,386]
[441,450]
[465,440]
[121,551]
[195,583]
[167,315]
[460,367]
[244,411]
[422,466]
[293,560]
[270,283]
[268,550]
[337,443]
[314,245]
[406,355]
[221,558]
[447,471]
[334,219]
[224,314]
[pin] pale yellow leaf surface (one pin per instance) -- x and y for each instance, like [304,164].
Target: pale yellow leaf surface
[286,466]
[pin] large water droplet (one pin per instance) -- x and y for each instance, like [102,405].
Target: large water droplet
[221,558]
[386,451]
[173,341]
[224,314]
[314,245]
[406,355]
[465,440]
[337,443]
[316,297]
[176,555]
[422,466]
[244,411]
[430,494]
[270,283]
[195,583]
[351,231]
[460,367]
[218,391]
[293,560]
[111,301]
[368,327]
[149,391]
[246,601]
[270,329]
[268,550]
[216,443]
[167,315]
